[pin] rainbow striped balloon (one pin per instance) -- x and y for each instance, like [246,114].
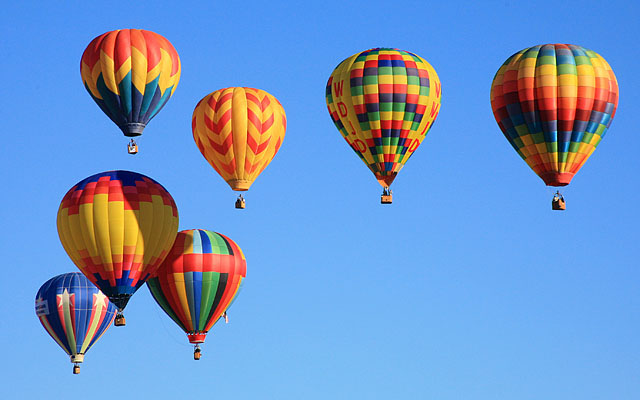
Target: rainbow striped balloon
[238,131]
[384,101]
[74,313]
[198,280]
[130,74]
[554,103]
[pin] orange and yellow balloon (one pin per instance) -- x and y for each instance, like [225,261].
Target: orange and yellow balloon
[238,131]
[384,101]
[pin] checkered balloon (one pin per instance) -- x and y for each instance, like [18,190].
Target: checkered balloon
[384,101]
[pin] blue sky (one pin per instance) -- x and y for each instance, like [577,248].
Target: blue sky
[467,287]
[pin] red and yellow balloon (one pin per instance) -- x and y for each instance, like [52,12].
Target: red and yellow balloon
[117,227]
[130,74]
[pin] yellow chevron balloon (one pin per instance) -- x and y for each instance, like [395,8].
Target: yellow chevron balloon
[238,131]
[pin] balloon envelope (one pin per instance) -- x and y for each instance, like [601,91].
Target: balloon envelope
[117,227]
[198,280]
[384,101]
[554,103]
[74,312]
[130,74]
[239,131]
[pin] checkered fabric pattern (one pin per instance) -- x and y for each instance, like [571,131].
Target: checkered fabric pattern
[117,227]
[384,101]
[554,103]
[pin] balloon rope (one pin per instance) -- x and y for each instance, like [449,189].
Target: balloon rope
[166,329]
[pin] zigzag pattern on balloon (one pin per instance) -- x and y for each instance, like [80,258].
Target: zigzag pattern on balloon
[130,74]
[554,103]
[239,131]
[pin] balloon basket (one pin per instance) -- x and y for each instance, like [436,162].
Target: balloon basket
[197,353]
[386,197]
[119,321]
[76,369]
[132,147]
[240,203]
[558,202]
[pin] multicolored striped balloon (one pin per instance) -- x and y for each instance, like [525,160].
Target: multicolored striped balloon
[74,312]
[383,102]
[130,74]
[554,103]
[117,227]
[198,280]
[238,131]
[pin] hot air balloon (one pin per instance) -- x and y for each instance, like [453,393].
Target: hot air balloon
[198,280]
[554,103]
[384,101]
[130,74]
[117,227]
[75,313]
[239,131]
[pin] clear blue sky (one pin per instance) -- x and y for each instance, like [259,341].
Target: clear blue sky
[467,287]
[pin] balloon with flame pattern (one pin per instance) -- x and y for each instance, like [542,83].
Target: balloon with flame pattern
[130,74]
